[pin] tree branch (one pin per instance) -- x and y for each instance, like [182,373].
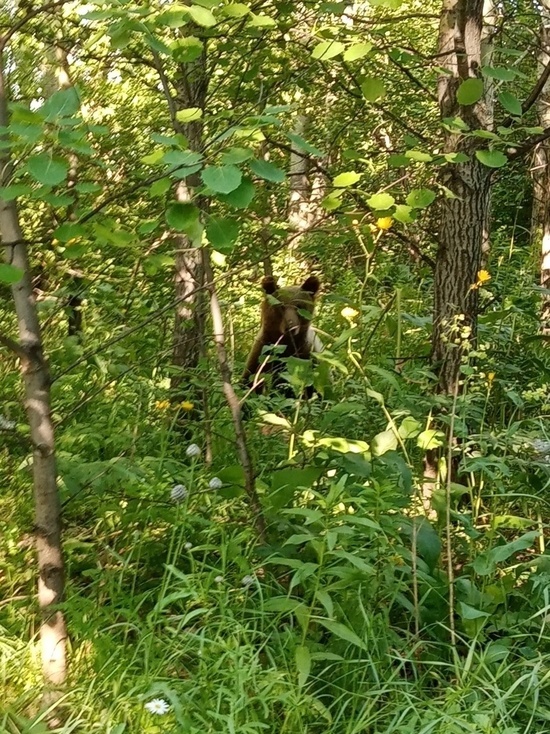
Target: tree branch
[13,346]
[532,98]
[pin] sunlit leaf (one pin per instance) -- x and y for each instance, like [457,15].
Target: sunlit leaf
[9,274]
[491,158]
[420,198]
[373,89]
[327,50]
[47,170]
[345,179]
[381,202]
[222,179]
[357,51]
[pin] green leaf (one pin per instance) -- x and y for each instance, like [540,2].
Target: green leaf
[261,21]
[175,18]
[428,543]
[383,442]
[47,170]
[267,171]
[63,103]
[344,633]
[303,145]
[240,197]
[160,187]
[189,114]
[404,214]
[182,216]
[491,158]
[9,274]
[419,156]
[373,89]
[468,612]
[500,73]
[430,439]
[7,193]
[357,51]
[202,16]
[68,231]
[222,232]
[470,91]
[332,201]
[486,563]
[236,155]
[303,664]
[327,50]
[381,202]
[511,103]
[285,482]
[398,160]
[183,158]
[235,10]
[348,178]
[221,179]
[87,187]
[187,49]
[420,198]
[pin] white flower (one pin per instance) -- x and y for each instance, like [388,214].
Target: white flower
[219,579]
[248,580]
[178,493]
[157,706]
[188,546]
[193,450]
[215,483]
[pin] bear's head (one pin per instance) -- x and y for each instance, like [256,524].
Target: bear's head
[287,311]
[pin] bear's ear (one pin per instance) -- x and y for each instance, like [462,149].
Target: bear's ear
[311,285]
[269,284]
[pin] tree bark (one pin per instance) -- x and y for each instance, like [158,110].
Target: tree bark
[464,218]
[541,172]
[34,370]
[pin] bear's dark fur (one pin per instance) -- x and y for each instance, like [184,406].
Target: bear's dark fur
[286,323]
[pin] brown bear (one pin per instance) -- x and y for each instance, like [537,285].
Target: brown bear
[286,323]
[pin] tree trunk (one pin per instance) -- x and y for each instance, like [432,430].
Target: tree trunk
[464,218]
[47,524]
[191,88]
[541,173]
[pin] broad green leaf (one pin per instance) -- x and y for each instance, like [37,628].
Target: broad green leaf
[404,214]
[111,233]
[486,562]
[373,89]
[261,21]
[500,73]
[87,187]
[9,274]
[235,10]
[303,664]
[391,4]
[381,202]
[469,613]
[183,158]
[456,157]
[182,216]
[420,198]
[222,232]
[511,103]
[419,156]
[327,50]
[332,201]
[470,91]
[63,103]
[430,439]
[398,161]
[186,49]
[383,442]
[56,199]
[303,145]
[240,197]
[267,171]
[428,543]
[68,231]
[409,428]
[154,158]
[189,114]
[221,179]
[174,18]
[491,158]
[160,187]
[285,482]
[47,170]
[344,633]
[7,193]
[357,51]
[348,178]
[202,16]
[236,155]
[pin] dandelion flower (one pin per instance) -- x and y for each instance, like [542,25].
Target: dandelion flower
[490,377]
[178,493]
[384,222]
[193,450]
[186,405]
[247,581]
[215,483]
[162,405]
[157,706]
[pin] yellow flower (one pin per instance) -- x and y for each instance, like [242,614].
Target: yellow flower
[349,313]
[490,377]
[162,404]
[384,222]
[186,405]
[483,277]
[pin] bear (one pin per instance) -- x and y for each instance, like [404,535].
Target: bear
[286,323]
